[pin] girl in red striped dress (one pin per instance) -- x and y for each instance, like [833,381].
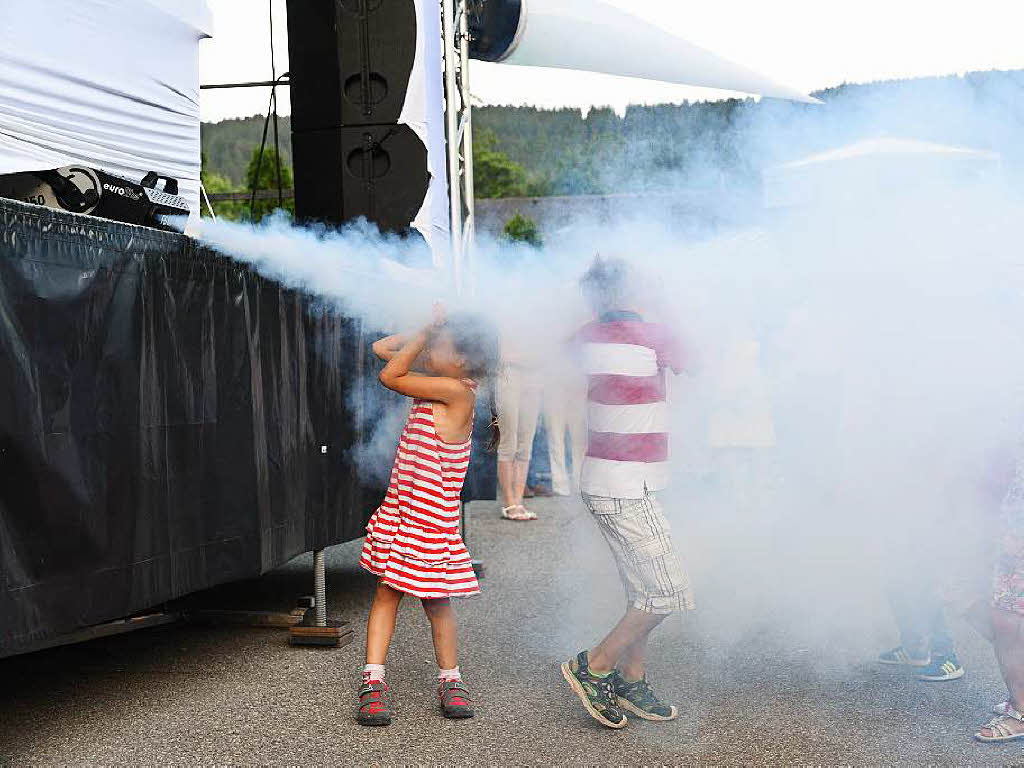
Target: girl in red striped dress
[413,542]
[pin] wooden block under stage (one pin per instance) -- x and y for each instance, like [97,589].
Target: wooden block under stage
[269,619]
[335,634]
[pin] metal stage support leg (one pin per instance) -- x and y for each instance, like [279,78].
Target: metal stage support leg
[320,588]
[307,623]
[316,628]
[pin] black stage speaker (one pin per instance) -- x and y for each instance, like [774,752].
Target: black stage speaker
[350,63]
[376,171]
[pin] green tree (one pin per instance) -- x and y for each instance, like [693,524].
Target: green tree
[494,174]
[228,144]
[522,229]
[214,184]
[266,179]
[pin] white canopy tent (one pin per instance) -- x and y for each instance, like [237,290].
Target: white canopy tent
[596,37]
[112,84]
[871,167]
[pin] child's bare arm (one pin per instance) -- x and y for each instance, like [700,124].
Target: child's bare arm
[388,347]
[399,377]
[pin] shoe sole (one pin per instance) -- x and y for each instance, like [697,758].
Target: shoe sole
[456,715]
[570,678]
[626,704]
[934,679]
[997,739]
[373,722]
[916,663]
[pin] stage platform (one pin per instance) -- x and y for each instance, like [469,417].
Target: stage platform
[170,421]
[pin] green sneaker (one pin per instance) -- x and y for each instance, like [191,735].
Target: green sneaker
[595,692]
[638,697]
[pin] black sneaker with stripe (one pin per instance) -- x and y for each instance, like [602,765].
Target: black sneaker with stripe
[638,697]
[595,692]
[943,667]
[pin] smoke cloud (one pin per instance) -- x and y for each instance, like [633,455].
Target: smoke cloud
[859,326]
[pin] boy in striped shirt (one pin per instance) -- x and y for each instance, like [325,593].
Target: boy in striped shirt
[625,359]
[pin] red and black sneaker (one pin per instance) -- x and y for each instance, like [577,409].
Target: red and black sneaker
[455,700]
[374,704]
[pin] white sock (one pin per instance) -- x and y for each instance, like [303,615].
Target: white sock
[452,674]
[373,672]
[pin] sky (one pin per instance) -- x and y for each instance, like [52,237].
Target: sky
[808,44]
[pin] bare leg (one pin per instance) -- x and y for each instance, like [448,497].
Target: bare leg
[632,662]
[1008,643]
[522,468]
[380,626]
[632,628]
[507,481]
[442,626]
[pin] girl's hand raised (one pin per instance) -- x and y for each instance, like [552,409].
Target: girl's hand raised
[438,315]
[388,347]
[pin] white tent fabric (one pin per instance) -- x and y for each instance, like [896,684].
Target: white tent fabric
[593,36]
[112,84]
[871,167]
[423,111]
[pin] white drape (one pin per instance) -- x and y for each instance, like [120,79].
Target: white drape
[112,84]
[423,111]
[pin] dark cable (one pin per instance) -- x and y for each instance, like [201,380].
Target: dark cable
[259,157]
[271,110]
[254,182]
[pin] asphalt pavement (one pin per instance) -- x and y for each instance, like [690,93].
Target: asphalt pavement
[749,691]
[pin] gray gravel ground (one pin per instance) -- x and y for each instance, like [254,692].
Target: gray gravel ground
[754,694]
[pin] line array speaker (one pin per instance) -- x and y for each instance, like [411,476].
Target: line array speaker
[350,65]
[379,172]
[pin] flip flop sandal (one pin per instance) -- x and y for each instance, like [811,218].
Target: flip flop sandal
[526,514]
[1002,708]
[510,513]
[997,725]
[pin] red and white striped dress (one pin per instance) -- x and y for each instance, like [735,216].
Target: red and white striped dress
[413,540]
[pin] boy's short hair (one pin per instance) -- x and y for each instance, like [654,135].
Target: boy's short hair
[605,283]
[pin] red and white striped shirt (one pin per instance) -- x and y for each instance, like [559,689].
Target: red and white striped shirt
[625,360]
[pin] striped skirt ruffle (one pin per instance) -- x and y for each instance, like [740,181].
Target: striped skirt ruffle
[429,563]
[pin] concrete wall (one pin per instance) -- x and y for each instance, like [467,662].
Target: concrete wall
[685,210]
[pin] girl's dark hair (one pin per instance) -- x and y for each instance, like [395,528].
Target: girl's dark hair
[476,339]
[493,429]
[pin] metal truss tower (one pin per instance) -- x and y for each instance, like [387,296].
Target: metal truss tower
[458,111]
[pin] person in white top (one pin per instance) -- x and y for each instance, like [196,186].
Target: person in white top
[517,400]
